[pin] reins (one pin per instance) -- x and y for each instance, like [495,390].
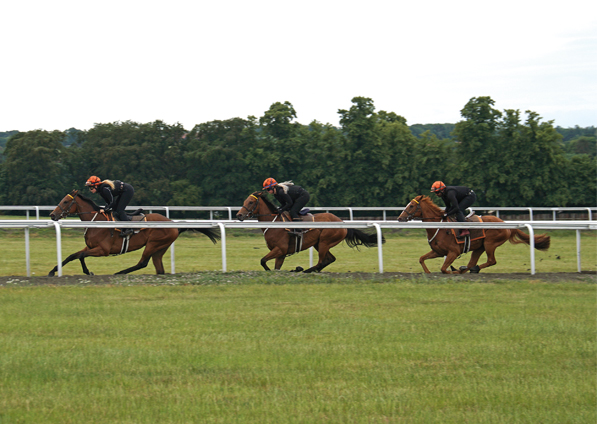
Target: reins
[65,212]
[250,212]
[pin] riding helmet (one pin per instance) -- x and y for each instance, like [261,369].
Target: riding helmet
[438,186]
[269,182]
[93,181]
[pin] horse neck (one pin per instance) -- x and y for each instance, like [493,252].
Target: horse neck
[264,214]
[86,212]
[430,213]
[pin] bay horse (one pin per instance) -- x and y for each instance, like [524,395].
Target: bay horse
[104,241]
[444,243]
[281,243]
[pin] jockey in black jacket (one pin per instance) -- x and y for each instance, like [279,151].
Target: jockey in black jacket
[292,198]
[456,199]
[117,195]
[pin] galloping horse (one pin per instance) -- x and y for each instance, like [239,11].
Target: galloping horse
[104,242]
[444,243]
[281,243]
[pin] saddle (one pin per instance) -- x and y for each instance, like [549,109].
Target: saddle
[476,233]
[138,215]
[305,217]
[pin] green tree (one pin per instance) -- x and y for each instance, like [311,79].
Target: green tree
[218,160]
[33,170]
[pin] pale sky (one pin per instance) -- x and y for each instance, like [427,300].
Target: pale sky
[77,63]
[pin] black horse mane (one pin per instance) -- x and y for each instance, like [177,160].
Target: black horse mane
[88,200]
[272,208]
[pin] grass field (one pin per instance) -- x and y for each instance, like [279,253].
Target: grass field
[296,348]
[245,249]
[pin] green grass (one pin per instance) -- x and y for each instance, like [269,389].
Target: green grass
[245,249]
[295,348]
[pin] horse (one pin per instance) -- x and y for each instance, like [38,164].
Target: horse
[282,243]
[104,242]
[444,243]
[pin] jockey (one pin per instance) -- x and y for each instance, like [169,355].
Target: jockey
[456,199]
[117,195]
[292,198]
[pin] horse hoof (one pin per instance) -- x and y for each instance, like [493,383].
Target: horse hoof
[91,273]
[475,269]
[463,268]
[51,274]
[453,269]
[298,269]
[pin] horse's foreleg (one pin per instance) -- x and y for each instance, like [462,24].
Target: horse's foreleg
[80,255]
[276,253]
[430,255]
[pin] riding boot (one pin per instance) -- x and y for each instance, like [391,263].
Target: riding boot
[125,232]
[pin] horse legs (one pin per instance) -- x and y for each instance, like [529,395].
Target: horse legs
[450,258]
[80,255]
[325,258]
[430,255]
[276,253]
[157,260]
[491,261]
[473,261]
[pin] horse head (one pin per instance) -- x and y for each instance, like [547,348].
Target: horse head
[250,206]
[67,206]
[421,207]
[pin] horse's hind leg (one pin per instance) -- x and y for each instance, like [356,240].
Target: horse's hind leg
[325,258]
[450,258]
[491,261]
[157,260]
[473,261]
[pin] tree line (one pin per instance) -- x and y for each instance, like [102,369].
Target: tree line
[372,159]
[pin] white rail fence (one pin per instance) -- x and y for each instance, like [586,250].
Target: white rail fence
[230,210]
[530,226]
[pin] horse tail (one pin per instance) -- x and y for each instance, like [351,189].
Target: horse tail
[356,238]
[542,242]
[213,234]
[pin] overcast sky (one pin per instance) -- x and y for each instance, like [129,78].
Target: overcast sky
[76,63]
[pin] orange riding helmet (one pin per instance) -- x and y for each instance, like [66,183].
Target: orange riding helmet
[93,181]
[269,182]
[438,187]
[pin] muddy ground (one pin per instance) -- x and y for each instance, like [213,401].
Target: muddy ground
[586,277]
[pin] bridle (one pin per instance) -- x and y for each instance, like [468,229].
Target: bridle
[250,213]
[412,214]
[64,212]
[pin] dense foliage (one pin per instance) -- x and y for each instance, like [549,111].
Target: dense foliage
[373,159]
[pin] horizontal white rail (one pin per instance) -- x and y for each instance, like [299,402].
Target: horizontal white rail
[223,225]
[230,210]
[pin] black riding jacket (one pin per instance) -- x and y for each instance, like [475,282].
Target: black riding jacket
[452,196]
[287,199]
[110,195]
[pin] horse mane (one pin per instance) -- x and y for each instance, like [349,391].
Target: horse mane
[88,200]
[427,200]
[272,208]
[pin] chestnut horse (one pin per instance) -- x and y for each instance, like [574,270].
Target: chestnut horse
[281,243]
[106,241]
[443,243]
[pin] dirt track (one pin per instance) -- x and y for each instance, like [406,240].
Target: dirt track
[586,277]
